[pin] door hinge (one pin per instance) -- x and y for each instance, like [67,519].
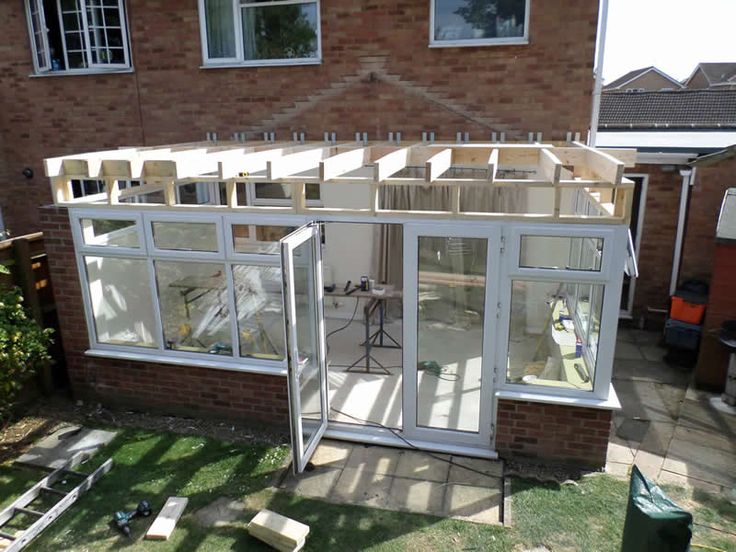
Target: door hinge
[503,245]
[498,310]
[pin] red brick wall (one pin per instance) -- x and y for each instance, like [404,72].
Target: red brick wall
[710,371]
[553,433]
[176,389]
[706,197]
[377,75]
[658,236]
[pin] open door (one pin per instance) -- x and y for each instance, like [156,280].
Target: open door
[301,264]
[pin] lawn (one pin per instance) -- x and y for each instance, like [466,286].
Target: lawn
[155,465]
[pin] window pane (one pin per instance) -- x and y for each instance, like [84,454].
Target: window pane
[260,311]
[548,344]
[220,28]
[451,287]
[251,238]
[185,236]
[122,303]
[109,232]
[195,193]
[273,190]
[478,19]
[194,307]
[561,253]
[280,32]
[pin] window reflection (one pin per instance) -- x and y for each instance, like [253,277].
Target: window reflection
[478,19]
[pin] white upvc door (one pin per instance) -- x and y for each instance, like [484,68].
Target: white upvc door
[303,293]
[451,274]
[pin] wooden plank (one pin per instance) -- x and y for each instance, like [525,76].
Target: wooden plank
[603,164]
[342,163]
[279,531]
[249,163]
[167,518]
[550,166]
[437,165]
[295,163]
[492,165]
[390,164]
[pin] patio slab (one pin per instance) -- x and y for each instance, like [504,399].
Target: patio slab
[53,451]
[479,504]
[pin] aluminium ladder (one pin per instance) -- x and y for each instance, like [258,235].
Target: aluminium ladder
[20,539]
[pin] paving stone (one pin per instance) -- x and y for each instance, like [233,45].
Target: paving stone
[331,453]
[362,487]
[315,484]
[492,468]
[626,350]
[625,334]
[53,451]
[618,469]
[671,478]
[701,415]
[652,353]
[220,513]
[648,401]
[381,460]
[426,497]
[701,462]
[657,440]
[619,451]
[633,430]
[479,504]
[649,464]
[644,337]
[418,465]
[684,435]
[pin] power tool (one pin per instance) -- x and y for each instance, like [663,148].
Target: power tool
[122,519]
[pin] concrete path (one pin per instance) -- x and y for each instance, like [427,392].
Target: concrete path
[667,429]
[403,480]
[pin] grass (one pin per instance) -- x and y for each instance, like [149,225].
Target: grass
[587,516]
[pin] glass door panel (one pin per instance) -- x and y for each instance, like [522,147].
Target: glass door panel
[305,340]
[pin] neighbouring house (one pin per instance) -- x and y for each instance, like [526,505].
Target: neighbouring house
[676,205]
[721,76]
[646,79]
[348,142]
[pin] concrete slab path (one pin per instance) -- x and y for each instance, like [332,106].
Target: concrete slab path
[403,480]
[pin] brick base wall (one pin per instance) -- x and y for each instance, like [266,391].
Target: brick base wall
[553,433]
[163,387]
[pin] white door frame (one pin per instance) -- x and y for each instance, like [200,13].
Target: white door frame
[629,311]
[492,233]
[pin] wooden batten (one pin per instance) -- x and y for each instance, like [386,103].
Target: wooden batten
[390,164]
[295,163]
[492,166]
[342,163]
[437,165]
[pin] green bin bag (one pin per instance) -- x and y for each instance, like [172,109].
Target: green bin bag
[653,522]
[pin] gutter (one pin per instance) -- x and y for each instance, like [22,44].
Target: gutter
[598,85]
[688,179]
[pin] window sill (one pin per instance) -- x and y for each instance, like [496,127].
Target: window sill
[82,73]
[611,403]
[479,43]
[265,63]
[241,365]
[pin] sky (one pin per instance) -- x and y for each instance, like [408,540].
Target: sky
[673,35]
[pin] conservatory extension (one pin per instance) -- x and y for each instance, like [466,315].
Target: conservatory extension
[458,297]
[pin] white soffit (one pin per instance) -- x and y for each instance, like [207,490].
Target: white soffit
[666,139]
[726,229]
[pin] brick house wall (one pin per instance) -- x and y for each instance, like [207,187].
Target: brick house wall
[554,433]
[377,75]
[187,390]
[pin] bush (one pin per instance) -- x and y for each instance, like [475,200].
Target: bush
[23,348]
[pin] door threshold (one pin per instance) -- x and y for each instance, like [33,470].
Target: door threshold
[342,431]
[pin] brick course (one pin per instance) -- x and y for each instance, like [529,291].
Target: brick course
[553,433]
[377,75]
[168,388]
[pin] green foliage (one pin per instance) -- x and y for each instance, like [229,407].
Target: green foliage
[23,347]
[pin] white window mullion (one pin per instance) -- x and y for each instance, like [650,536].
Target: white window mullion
[238,22]
[82,4]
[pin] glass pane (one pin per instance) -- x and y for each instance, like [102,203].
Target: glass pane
[478,19]
[185,236]
[252,238]
[561,253]
[220,28]
[280,32]
[111,233]
[451,287]
[122,303]
[260,312]
[550,343]
[194,307]
[195,193]
[309,380]
[272,190]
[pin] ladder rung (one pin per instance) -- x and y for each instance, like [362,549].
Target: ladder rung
[7,536]
[28,511]
[76,473]
[53,491]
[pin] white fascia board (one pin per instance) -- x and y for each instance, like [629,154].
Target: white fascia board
[694,140]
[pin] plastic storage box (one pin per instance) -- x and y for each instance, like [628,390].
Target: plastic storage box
[682,335]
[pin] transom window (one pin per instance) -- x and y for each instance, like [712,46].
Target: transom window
[258,32]
[479,22]
[78,36]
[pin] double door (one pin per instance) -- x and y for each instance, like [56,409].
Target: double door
[450,314]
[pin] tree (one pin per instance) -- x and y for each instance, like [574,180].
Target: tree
[483,14]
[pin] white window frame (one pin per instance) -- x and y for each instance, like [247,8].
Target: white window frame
[239,59]
[252,199]
[45,68]
[614,254]
[518,40]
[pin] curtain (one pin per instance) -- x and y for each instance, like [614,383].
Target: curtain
[220,28]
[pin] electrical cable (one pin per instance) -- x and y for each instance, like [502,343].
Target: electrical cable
[341,328]
[411,445]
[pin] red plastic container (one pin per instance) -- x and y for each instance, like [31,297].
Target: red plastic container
[685,311]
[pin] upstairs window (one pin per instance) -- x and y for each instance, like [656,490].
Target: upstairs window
[78,36]
[479,22]
[260,32]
